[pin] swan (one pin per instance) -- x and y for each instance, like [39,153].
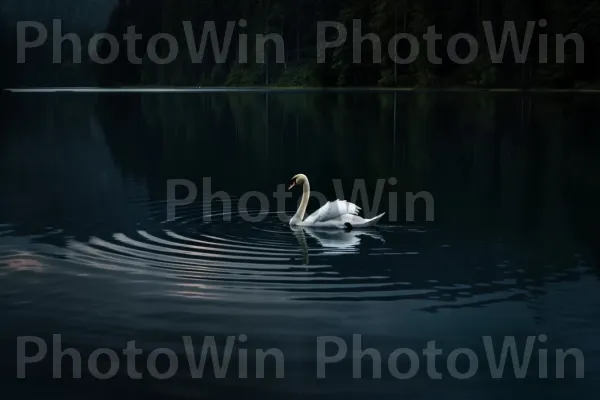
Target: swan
[339,214]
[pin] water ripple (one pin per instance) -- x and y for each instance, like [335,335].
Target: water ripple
[269,262]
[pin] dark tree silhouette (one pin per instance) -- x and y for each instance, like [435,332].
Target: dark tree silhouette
[296,22]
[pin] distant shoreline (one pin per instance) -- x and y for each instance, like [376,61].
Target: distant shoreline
[225,89]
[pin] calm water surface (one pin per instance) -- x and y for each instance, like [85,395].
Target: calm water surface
[87,250]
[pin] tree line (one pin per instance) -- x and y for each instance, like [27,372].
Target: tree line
[296,22]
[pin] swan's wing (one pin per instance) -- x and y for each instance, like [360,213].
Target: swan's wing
[332,210]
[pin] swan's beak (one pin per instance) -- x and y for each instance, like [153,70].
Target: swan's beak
[292,185]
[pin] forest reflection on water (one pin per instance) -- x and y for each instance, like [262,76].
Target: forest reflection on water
[86,248]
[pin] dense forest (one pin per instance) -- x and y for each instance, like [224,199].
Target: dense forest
[296,22]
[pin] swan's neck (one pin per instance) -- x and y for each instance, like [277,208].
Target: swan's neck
[299,216]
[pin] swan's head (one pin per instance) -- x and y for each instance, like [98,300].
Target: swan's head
[298,180]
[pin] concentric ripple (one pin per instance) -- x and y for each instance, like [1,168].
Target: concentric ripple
[219,262]
[227,258]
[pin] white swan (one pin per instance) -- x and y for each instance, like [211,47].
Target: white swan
[337,214]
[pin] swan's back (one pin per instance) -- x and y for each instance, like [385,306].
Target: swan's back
[332,210]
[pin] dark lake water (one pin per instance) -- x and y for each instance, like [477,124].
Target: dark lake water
[88,250]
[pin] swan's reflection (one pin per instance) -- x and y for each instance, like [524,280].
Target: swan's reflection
[339,241]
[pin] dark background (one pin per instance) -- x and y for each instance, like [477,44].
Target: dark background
[296,21]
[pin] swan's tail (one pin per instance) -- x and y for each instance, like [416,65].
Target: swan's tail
[374,220]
